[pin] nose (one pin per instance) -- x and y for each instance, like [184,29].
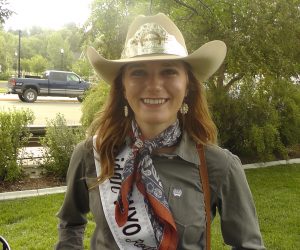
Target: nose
[154,82]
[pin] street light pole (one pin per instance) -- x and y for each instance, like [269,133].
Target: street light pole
[62,58]
[19,56]
[15,64]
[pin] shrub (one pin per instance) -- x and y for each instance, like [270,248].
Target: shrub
[249,122]
[286,99]
[59,142]
[93,103]
[5,76]
[14,135]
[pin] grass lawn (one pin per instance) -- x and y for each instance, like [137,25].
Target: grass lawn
[31,223]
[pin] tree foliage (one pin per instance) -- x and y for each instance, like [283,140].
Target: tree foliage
[42,43]
[261,36]
[38,64]
[93,103]
[5,13]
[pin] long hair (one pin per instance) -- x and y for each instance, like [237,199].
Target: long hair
[113,127]
[198,122]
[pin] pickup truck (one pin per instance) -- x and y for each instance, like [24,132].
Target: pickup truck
[52,83]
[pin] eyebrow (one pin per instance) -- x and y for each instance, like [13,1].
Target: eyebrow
[141,64]
[135,65]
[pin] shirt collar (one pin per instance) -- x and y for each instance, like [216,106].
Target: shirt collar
[187,149]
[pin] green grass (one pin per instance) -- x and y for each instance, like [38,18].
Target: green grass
[31,223]
[3,90]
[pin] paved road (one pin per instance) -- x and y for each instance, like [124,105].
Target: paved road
[45,107]
[3,84]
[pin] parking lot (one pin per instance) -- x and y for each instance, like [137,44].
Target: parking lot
[45,108]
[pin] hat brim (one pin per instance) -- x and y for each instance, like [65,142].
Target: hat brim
[204,61]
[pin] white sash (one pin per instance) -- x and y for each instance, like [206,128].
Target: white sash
[137,233]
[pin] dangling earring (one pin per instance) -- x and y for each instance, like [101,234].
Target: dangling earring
[125,111]
[184,108]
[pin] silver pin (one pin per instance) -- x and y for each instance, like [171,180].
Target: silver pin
[177,192]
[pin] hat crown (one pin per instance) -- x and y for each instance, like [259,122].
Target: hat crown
[153,35]
[155,38]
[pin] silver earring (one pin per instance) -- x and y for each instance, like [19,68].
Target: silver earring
[184,108]
[125,111]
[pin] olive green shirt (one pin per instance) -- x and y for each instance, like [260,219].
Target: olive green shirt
[230,194]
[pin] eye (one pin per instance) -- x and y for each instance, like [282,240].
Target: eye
[169,72]
[138,73]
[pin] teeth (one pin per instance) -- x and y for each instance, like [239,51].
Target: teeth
[154,101]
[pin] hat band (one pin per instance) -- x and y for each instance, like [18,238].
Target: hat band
[151,38]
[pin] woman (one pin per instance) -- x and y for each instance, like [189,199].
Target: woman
[152,175]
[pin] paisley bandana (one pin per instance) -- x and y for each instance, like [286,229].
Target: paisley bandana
[139,169]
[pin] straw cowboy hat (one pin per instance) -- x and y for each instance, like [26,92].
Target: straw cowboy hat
[152,38]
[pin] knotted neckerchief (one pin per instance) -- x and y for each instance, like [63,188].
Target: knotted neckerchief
[139,169]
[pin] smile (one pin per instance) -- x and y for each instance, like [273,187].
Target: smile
[154,101]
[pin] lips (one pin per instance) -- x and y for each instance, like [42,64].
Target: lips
[153,101]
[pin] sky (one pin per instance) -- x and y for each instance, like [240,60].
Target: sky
[53,14]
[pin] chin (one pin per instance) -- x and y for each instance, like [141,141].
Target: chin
[158,120]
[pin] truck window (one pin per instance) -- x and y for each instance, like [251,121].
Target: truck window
[72,78]
[45,75]
[58,76]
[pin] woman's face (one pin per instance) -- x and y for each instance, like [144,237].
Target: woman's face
[155,92]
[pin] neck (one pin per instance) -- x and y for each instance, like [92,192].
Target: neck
[150,131]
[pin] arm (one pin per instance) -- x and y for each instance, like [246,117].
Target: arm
[76,204]
[239,222]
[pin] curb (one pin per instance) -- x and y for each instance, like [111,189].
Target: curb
[271,163]
[32,193]
[62,189]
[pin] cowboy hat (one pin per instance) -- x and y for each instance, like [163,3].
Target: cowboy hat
[152,38]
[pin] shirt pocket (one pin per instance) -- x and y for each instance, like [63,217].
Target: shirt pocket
[187,206]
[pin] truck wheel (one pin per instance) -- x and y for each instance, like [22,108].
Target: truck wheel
[21,97]
[30,95]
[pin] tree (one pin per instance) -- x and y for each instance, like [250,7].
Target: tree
[59,60]
[82,67]
[7,55]
[4,12]
[25,65]
[38,64]
[262,37]
[109,22]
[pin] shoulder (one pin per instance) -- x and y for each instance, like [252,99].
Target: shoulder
[83,152]
[84,147]
[82,159]
[218,156]
[220,163]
